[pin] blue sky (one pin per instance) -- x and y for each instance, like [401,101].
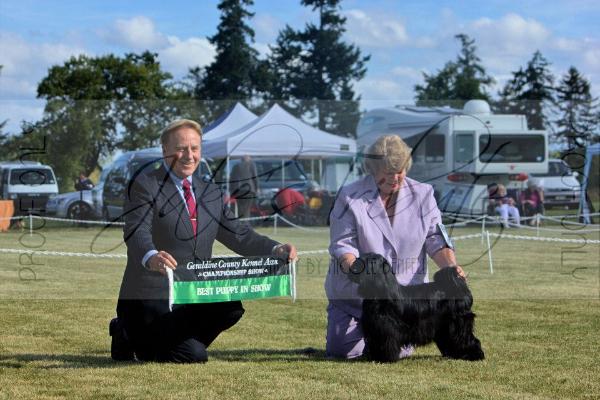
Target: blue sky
[404,38]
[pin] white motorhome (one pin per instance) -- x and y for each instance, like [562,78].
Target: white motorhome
[460,152]
[29,184]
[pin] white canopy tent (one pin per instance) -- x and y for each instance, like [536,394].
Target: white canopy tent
[278,134]
[237,117]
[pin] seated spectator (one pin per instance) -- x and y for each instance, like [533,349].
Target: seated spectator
[532,201]
[83,182]
[289,201]
[502,204]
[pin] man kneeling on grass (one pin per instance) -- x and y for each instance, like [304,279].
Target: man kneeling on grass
[173,216]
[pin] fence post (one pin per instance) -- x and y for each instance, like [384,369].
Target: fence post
[275,224]
[483,227]
[489,249]
[30,225]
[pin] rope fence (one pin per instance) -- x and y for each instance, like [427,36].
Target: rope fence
[485,237]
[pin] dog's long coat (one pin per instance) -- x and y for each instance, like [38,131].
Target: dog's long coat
[395,316]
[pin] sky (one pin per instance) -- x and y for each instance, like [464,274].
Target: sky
[404,38]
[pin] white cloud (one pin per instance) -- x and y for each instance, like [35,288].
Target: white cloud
[375,31]
[564,44]
[407,72]
[137,33]
[16,111]
[179,55]
[510,35]
[592,58]
[266,27]
[25,64]
[385,91]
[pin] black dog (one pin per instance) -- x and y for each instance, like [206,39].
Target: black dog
[394,316]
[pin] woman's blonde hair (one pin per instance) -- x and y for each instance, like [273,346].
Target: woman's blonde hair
[388,153]
[175,125]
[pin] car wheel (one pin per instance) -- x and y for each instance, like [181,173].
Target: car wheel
[79,210]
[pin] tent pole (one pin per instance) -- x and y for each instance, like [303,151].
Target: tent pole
[320,171]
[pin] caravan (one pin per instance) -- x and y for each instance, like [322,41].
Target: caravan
[460,152]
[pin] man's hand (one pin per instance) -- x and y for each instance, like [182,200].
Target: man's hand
[161,261]
[286,249]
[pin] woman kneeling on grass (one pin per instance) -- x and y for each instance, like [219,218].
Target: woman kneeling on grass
[385,213]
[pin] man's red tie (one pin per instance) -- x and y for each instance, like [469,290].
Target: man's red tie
[191,203]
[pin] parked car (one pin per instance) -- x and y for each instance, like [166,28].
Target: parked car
[29,184]
[560,185]
[115,177]
[72,205]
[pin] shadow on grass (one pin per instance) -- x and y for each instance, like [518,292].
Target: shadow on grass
[52,361]
[74,361]
[306,354]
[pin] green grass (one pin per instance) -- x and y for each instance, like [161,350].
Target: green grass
[538,320]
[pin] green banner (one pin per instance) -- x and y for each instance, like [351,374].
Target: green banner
[231,278]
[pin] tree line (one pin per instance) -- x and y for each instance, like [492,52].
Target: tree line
[98,104]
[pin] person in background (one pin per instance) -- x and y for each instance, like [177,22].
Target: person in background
[289,202]
[532,201]
[83,182]
[502,204]
[243,183]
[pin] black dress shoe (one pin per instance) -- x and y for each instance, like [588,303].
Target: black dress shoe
[120,348]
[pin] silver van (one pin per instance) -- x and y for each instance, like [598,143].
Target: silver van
[29,184]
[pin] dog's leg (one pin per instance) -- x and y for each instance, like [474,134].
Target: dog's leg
[457,340]
[381,332]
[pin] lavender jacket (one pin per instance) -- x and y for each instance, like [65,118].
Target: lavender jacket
[359,224]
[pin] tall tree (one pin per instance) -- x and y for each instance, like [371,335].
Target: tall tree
[578,122]
[459,81]
[97,104]
[530,92]
[236,73]
[315,70]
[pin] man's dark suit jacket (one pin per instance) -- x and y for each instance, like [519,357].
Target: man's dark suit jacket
[156,217]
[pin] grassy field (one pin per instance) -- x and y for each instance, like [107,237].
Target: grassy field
[538,320]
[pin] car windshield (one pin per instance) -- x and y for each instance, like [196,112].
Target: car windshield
[269,171]
[31,176]
[556,169]
[146,163]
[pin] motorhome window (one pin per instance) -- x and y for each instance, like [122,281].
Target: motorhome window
[511,148]
[435,146]
[31,176]
[418,148]
[465,148]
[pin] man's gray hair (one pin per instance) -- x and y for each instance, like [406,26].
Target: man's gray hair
[175,125]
